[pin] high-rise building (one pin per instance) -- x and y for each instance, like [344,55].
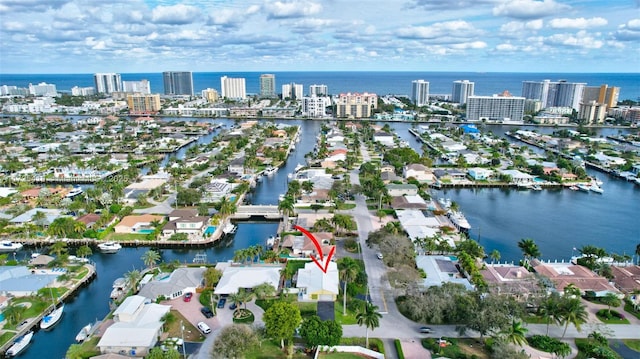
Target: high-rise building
[292,91]
[495,108]
[143,103]
[601,94]
[142,86]
[233,88]
[315,106]
[178,83]
[356,105]
[592,112]
[42,89]
[554,94]
[107,82]
[211,95]
[461,91]
[267,85]
[318,90]
[420,92]
[82,91]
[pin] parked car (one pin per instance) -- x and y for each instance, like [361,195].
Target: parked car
[426,330]
[222,302]
[204,328]
[379,255]
[187,297]
[207,312]
[233,306]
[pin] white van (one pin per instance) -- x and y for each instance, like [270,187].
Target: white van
[204,327]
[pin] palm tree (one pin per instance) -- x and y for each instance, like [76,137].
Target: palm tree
[150,258]
[307,187]
[84,251]
[286,206]
[133,277]
[494,255]
[59,248]
[572,311]
[611,300]
[370,318]
[550,309]
[516,333]
[227,207]
[40,219]
[638,253]
[264,290]
[529,249]
[13,313]
[349,270]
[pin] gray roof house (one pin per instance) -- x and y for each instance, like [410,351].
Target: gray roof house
[181,281]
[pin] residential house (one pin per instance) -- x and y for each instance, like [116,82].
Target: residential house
[420,172]
[440,270]
[137,223]
[395,190]
[510,279]
[408,202]
[235,277]
[185,221]
[384,138]
[480,174]
[27,217]
[89,219]
[304,247]
[388,177]
[564,274]
[237,166]
[518,177]
[450,175]
[316,285]
[627,279]
[337,155]
[181,281]
[216,190]
[138,325]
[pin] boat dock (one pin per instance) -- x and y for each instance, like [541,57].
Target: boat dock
[33,322]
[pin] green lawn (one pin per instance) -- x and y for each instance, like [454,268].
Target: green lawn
[127,237]
[348,319]
[534,319]
[633,344]
[582,343]
[346,206]
[612,319]
[5,337]
[628,307]
[271,350]
[338,355]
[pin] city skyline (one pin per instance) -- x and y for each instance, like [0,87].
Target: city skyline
[71,36]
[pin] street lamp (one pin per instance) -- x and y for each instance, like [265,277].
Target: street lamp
[184,351]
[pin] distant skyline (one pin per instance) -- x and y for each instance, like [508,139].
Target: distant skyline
[135,36]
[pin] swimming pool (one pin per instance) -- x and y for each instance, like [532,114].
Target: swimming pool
[146,231]
[209,231]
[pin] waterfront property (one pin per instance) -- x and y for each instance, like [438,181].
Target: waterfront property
[22,281]
[185,221]
[235,277]
[138,325]
[173,285]
[440,270]
[315,285]
[565,274]
[137,223]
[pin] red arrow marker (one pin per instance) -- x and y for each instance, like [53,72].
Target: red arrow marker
[323,265]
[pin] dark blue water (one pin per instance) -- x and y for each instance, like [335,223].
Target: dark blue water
[381,83]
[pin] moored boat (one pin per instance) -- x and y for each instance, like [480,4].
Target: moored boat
[84,333]
[19,345]
[536,187]
[270,170]
[230,228]
[74,192]
[109,247]
[51,319]
[8,246]
[597,189]
[459,220]
[583,187]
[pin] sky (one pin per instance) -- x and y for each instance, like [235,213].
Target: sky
[129,36]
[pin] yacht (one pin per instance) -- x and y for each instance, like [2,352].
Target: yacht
[119,286]
[583,187]
[109,247]
[8,246]
[536,187]
[270,170]
[298,167]
[74,192]
[19,345]
[459,220]
[230,228]
[597,189]
[49,320]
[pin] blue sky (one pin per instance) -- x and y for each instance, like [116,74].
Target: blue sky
[86,36]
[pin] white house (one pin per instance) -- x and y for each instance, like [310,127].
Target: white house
[137,327]
[395,190]
[185,221]
[420,172]
[384,138]
[518,177]
[316,285]
[236,277]
[480,174]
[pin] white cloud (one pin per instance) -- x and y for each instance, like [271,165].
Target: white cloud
[528,9]
[458,28]
[520,28]
[283,10]
[450,4]
[506,47]
[581,39]
[629,31]
[179,14]
[577,23]
[470,45]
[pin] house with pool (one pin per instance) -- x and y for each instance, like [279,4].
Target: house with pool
[140,224]
[185,221]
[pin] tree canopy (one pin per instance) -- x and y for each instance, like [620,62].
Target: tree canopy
[281,321]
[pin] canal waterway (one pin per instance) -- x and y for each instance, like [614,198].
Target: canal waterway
[558,220]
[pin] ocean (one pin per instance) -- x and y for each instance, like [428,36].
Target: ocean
[381,83]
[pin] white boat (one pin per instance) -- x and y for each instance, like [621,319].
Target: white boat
[49,320]
[270,170]
[536,187]
[230,228]
[109,247]
[583,187]
[74,192]
[445,202]
[298,167]
[459,220]
[119,285]
[83,334]
[597,182]
[8,246]
[19,345]
[271,241]
[597,189]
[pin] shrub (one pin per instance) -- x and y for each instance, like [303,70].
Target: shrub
[399,348]
[545,343]
[350,244]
